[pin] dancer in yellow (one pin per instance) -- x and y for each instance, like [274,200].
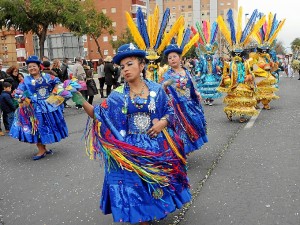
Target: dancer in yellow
[238,80]
[263,66]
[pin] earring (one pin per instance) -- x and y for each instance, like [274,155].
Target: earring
[142,76]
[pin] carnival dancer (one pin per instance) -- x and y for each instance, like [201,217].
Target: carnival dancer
[275,69]
[209,78]
[185,99]
[237,80]
[145,174]
[36,120]
[263,66]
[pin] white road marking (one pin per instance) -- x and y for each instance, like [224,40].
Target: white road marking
[252,120]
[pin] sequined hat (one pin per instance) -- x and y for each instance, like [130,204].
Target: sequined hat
[33,59]
[172,48]
[128,50]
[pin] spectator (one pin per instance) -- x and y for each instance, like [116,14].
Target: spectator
[56,69]
[13,71]
[79,73]
[4,77]
[7,106]
[47,69]
[44,58]
[110,72]
[101,76]
[90,83]
[64,69]
[20,77]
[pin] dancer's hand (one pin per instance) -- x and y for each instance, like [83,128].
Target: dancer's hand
[158,126]
[78,98]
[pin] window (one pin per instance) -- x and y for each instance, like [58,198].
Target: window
[114,24]
[115,37]
[105,39]
[104,11]
[174,7]
[105,52]
[228,3]
[189,14]
[222,3]
[202,14]
[208,13]
[190,6]
[113,10]
[114,51]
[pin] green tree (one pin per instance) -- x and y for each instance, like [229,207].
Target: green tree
[295,45]
[123,38]
[88,21]
[36,16]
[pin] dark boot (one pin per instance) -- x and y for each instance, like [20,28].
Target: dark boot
[101,93]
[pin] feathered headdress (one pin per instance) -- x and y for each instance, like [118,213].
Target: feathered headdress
[268,32]
[236,37]
[208,34]
[183,42]
[151,37]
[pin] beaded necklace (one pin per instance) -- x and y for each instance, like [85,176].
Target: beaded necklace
[137,101]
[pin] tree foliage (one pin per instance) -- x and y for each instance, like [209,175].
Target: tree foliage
[123,38]
[295,45]
[88,21]
[36,16]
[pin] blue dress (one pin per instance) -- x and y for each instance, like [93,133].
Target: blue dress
[191,123]
[128,197]
[209,80]
[51,125]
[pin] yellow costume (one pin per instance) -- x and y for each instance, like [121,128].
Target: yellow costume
[237,79]
[262,64]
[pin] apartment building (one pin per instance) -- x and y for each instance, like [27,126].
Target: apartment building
[195,10]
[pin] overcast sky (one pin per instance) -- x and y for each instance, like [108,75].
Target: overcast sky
[288,9]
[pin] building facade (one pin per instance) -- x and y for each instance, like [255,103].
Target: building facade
[61,43]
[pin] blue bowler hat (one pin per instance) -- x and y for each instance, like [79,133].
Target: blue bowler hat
[33,59]
[128,50]
[172,48]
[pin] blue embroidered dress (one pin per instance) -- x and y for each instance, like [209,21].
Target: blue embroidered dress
[209,80]
[191,124]
[128,197]
[51,126]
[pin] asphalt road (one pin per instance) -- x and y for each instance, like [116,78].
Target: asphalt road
[247,174]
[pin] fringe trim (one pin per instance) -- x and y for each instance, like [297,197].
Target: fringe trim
[248,111]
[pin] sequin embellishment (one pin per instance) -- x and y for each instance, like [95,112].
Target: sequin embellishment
[142,122]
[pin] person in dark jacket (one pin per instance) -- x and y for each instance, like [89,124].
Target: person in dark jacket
[3,78]
[47,69]
[110,72]
[7,106]
[90,82]
[64,69]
